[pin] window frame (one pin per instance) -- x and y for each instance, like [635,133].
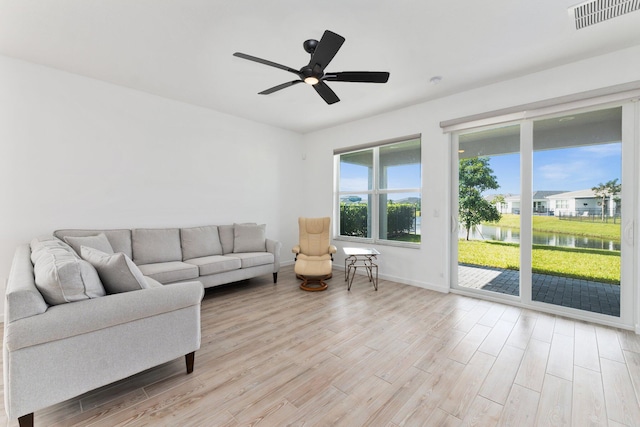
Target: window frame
[375,192]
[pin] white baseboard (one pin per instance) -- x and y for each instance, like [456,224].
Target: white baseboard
[404,281]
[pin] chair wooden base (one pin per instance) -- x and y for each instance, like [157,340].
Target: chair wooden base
[329,276]
[314,284]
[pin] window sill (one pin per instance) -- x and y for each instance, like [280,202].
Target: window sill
[359,240]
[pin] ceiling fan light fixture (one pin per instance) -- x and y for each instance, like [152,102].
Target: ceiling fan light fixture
[311,80]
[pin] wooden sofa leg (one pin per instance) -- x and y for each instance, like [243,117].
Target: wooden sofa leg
[26,420]
[190,358]
[275,277]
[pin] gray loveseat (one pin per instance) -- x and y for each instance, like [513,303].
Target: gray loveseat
[90,324]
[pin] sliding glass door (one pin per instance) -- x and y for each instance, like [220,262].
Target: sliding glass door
[577,171]
[488,240]
[542,213]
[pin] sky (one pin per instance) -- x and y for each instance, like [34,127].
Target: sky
[566,169]
[353,177]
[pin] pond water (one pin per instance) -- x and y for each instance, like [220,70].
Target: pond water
[510,235]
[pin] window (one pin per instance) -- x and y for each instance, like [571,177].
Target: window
[379,192]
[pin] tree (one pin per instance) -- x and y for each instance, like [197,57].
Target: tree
[608,189]
[475,177]
[498,200]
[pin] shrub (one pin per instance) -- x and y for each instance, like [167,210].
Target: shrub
[401,218]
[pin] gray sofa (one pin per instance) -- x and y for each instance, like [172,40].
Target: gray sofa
[213,255]
[78,321]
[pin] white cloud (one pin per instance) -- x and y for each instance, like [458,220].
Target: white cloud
[603,150]
[563,171]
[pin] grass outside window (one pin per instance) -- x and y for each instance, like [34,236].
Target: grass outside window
[588,264]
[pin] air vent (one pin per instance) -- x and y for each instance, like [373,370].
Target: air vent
[595,11]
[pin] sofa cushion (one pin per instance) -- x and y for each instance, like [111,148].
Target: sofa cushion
[252,259]
[215,264]
[249,238]
[99,242]
[117,272]
[226,238]
[120,239]
[167,272]
[154,245]
[200,242]
[63,277]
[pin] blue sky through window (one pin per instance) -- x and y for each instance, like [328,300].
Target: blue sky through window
[568,169]
[355,177]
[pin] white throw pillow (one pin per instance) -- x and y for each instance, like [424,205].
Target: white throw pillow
[249,238]
[43,245]
[117,272]
[62,277]
[99,242]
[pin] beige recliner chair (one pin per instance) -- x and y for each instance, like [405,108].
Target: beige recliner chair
[314,253]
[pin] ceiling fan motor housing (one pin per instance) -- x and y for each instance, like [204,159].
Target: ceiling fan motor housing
[307,71]
[310,45]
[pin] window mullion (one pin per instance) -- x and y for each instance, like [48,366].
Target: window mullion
[375,208]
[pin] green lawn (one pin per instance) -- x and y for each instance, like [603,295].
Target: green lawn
[588,264]
[412,238]
[552,224]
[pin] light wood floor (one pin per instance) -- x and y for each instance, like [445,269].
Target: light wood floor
[273,355]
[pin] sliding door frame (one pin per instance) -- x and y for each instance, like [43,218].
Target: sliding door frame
[630,177]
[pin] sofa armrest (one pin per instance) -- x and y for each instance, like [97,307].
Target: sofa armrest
[61,321]
[274,246]
[332,249]
[22,297]
[296,249]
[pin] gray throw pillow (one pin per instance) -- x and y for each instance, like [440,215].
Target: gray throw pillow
[117,272]
[99,242]
[62,277]
[249,238]
[198,242]
[153,245]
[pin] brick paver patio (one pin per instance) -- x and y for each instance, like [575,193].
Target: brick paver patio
[576,293]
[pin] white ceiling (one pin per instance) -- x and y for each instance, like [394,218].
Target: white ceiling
[182,49]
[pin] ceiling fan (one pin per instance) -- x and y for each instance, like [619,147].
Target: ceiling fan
[322,52]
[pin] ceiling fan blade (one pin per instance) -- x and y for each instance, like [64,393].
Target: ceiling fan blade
[358,77]
[266,62]
[327,48]
[326,93]
[279,87]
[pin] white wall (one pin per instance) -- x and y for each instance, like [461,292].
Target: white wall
[76,152]
[428,266]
